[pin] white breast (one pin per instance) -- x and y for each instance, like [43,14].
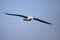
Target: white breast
[29,17]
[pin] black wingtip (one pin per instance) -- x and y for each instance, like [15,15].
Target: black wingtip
[47,23]
[50,23]
[6,13]
[9,14]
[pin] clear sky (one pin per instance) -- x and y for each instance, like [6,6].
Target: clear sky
[14,28]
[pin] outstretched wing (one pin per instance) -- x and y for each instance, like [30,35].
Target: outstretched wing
[41,20]
[16,15]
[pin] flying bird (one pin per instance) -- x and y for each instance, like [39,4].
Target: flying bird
[28,18]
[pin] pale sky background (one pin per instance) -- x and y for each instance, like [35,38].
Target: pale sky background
[14,28]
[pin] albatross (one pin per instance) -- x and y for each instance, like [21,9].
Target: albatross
[28,18]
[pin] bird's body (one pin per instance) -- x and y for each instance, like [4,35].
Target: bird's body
[28,18]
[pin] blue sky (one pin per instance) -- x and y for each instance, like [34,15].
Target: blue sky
[14,28]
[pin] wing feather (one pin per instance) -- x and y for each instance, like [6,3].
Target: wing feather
[16,15]
[41,21]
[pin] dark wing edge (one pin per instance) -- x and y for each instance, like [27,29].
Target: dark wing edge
[41,21]
[16,15]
